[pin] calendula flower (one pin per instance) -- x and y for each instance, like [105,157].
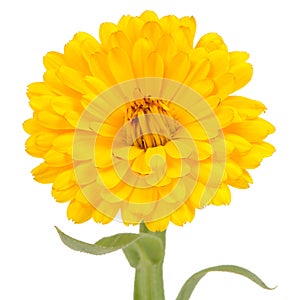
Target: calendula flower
[143,124]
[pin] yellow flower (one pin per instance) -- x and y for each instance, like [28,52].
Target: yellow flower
[143,124]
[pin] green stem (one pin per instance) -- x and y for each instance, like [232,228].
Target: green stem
[148,283]
[146,255]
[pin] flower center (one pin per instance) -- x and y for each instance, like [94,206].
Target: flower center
[151,123]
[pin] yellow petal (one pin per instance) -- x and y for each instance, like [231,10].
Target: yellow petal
[163,192]
[144,196]
[74,58]
[53,121]
[149,15]
[107,208]
[62,104]
[179,148]
[189,22]
[183,116]
[128,153]
[72,78]
[120,64]
[211,173]
[140,165]
[224,85]
[89,46]
[199,68]
[253,158]
[177,195]
[123,22]
[225,116]
[109,177]
[246,108]
[135,213]
[121,192]
[182,37]
[57,86]
[100,68]
[204,149]
[158,180]
[166,47]
[81,197]
[79,212]
[158,225]
[196,198]
[233,170]
[103,153]
[107,130]
[64,143]
[250,160]
[239,143]
[65,195]
[253,130]
[40,102]
[204,87]
[95,85]
[45,173]
[239,183]
[247,176]
[211,42]
[182,215]
[53,60]
[140,52]
[33,149]
[57,159]
[172,149]
[118,39]
[46,139]
[219,62]
[105,30]
[64,180]
[152,31]
[198,132]
[73,118]
[154,65]
[85,145]
[266,149]
[229,147]
[177,167]
[39,88]
[169,23]
[222,197]
[155,157]
[237,57]
[82,36]
[133,28]
[242,73]
[178,67]
[85,173]
[103,218]
[213,101]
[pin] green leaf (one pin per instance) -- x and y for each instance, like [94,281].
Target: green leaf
[189,286]
[134,245]
[103,246]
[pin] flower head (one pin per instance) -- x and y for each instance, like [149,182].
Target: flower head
[143,124]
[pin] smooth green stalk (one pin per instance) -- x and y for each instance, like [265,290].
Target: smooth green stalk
[148,283]
[146,256]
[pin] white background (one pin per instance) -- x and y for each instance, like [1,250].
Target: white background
[259,230]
